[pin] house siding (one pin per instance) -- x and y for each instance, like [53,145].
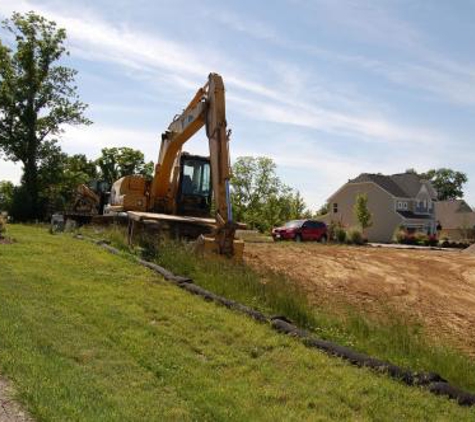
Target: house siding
[380,203]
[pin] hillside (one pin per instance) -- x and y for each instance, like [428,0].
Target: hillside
[86,335]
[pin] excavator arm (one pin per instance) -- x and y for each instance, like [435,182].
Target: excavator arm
[207,108]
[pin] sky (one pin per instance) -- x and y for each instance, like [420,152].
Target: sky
[327,88]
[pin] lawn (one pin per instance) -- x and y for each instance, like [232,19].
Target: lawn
[89,336]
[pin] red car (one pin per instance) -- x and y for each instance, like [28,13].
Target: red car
[299,230]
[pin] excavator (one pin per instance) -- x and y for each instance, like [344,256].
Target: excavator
[186,188]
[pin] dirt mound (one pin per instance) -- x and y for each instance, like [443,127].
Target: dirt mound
[470,249]
[435,287]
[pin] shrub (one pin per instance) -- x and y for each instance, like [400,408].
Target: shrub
[400,236]
[433,241]
[355,237]
[421,238]
[3,225]
[340,234]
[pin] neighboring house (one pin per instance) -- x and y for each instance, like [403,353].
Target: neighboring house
[394,201]
[456,218]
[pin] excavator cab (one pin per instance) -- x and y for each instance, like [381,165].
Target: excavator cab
[194,189]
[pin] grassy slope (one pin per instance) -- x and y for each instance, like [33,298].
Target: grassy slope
[394,338]
[85,335]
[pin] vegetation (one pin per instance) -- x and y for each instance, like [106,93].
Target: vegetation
[355,237]
[362,213]
[260,199]
[30,76]
[6,195]
[418,238]
[447,182]
[394,339]
[323,210]
[111,341]
[3,226]
[60,174]
[115,163]
[340,234]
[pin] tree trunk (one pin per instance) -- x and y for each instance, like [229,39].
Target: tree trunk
[30,176]
[30,180]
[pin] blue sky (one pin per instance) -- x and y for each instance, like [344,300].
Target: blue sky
[327,88]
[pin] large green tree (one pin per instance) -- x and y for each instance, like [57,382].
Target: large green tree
[260,199]
[60,175]
[115,163]
[447,182]
[37,97]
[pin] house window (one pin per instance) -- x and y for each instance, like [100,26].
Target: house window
[401,205]
[335,207]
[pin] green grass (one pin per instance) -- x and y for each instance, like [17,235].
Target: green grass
[89,336]
[393,339]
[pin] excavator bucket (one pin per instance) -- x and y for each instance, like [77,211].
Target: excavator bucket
[206,244]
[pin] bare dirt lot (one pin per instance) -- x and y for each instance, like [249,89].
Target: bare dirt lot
[436,288]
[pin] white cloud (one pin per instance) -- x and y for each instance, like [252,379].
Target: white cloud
[90,140]
[249,26]
[10,171]
[363,127]
[96,39]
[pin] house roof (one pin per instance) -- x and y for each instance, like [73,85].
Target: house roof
[454,214]
[383,181]
[403,185]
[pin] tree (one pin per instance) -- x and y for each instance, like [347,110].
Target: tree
[362,213]
[59,176]
[324,209]
[259,197]
[37,97]
[115,163]
[6,195]
[447,182]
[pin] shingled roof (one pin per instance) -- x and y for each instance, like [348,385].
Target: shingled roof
[402,185]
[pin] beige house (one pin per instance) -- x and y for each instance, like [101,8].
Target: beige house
[394,201]
[456,218]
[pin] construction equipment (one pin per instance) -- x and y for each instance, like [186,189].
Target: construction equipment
[90,199]
[86,201]
[185,185]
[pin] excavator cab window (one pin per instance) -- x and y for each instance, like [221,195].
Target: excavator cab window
[195,186]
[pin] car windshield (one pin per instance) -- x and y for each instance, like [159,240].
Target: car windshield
[293,224]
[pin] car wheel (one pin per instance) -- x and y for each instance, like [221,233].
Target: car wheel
[298,238]
[323,239]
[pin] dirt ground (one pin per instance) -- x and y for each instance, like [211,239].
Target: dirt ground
[10,410]
[436,288]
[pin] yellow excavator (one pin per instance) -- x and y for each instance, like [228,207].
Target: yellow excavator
[184,186]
